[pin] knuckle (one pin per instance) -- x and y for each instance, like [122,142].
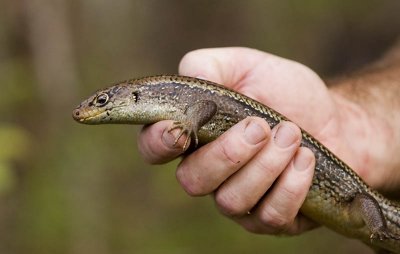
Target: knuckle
[264,163]
[290,194]
[273,219]
[190,183]
[268,166]
[230,204]
[228,152]
[252,228]
[292,230]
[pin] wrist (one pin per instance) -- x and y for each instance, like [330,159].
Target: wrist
[367,144]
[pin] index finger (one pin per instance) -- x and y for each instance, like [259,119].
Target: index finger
[227,66]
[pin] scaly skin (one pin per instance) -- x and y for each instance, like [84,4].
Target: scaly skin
[338,198]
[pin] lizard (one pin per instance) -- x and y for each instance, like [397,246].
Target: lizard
[202,110]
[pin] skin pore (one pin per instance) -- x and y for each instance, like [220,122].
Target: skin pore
[356,119]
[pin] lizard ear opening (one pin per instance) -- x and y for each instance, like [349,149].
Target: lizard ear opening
[135,96]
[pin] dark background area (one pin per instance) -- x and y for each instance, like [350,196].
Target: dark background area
[69,188]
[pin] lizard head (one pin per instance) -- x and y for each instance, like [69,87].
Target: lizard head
[110,105]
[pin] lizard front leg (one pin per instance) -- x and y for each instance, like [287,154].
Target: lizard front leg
[195,116]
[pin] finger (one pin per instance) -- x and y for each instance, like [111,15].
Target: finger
[244,189]
[205,169]
[156,143]
[278,211]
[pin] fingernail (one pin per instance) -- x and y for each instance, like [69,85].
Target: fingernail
[285,135]
[301,161]
[254,133]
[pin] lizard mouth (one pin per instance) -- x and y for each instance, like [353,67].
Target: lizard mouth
[82,116]
[92,115]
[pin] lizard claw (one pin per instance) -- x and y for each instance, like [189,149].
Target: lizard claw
[383,235]
[185,128]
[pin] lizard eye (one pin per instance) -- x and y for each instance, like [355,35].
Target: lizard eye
[101,100]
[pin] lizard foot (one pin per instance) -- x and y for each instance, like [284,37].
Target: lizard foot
[384,234]
[185,128]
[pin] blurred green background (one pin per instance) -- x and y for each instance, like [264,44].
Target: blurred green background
[70,188]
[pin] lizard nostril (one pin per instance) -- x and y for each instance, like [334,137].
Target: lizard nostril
[76,114]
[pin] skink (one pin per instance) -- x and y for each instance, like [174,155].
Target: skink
[203,110]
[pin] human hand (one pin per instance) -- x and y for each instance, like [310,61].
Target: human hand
[251,167]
